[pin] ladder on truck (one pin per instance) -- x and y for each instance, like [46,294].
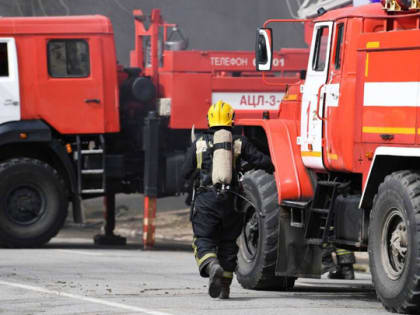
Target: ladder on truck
[90,156]
[319,229]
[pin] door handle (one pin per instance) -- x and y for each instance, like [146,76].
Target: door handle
[93,100]
[387,137]
[318,103]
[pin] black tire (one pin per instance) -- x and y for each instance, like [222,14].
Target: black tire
[258,241]
[394,242]
[33,203]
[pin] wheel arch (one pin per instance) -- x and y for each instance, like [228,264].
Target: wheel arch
[35,139]
[386,161]
[48,152]
[292,179]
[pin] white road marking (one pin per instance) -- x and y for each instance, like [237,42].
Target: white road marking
[82,298]
[70,251]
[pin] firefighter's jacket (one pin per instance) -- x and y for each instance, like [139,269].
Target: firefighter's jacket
[200,158]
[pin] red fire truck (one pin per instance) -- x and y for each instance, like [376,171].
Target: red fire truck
[346,149]
[74,124]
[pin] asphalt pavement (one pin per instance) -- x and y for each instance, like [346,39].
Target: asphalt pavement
[70,275]
[73,276]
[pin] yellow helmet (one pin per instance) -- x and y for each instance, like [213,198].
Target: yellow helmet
[220,114]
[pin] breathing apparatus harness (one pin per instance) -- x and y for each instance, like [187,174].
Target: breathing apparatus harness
[222,184]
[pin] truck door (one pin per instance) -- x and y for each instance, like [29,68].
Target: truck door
[312,99]
[337,143]
[9,81]
[72,86]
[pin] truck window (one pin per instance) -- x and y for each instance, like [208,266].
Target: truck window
[339,44]
[68,58]
[321,45]
[4,60]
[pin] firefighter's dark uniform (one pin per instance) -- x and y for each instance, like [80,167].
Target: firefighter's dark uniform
[216,224]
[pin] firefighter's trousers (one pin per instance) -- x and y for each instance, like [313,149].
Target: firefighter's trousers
[344,257]
[216,226]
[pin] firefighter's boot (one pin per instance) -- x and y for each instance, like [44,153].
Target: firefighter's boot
[345,272]
[345,261]
[215,272]
[328,264]
[226,282]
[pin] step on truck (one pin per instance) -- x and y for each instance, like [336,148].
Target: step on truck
[346,149]
[74,124]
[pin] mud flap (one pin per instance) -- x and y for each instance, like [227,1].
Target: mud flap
[294,258]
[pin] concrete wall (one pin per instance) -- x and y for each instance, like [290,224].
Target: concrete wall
[209,24]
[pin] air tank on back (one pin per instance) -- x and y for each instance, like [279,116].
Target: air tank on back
[222,158]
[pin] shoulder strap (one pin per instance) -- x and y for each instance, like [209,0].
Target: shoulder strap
[201,146]
[237,148]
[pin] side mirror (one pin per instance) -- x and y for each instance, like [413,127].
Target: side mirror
[264,49]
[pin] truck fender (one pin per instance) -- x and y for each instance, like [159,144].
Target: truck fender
[387,160]
[35,130]
[292,179]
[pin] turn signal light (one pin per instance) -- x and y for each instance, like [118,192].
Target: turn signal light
[369,155]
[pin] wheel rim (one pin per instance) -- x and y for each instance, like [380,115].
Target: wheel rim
[250,233]
[25,204]
[394,244]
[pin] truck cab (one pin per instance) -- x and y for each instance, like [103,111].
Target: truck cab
[74,79]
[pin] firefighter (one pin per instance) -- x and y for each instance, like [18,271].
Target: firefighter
[344,268]
[215,221]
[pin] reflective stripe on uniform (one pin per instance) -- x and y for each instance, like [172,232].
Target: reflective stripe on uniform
[340,252]
[194,246]
[204,258]
[227,274]
[201,146]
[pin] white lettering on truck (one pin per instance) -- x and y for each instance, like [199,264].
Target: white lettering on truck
[277,62]
[250,100]
[229,61]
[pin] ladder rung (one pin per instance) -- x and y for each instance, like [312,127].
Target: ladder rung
[321,211]
[93,151]
[328,184]
[295,204]
[92,171]
[93,191]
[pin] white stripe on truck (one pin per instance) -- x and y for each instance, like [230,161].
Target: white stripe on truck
[392,94]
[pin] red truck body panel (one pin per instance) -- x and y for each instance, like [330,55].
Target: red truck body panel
[193,80]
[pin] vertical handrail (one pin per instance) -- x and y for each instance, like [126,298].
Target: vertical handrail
[319,101]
